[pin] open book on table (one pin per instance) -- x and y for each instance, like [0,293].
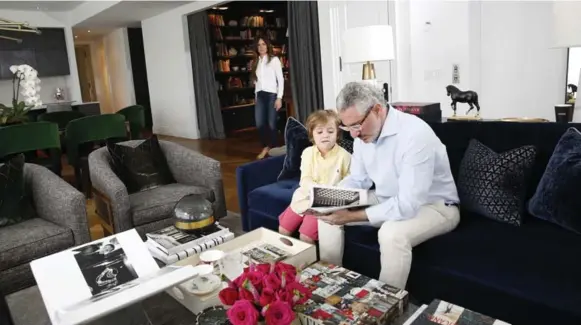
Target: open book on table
[327,199]
[92,280]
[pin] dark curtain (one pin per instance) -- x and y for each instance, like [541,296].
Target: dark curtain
[207,101]
[305,58]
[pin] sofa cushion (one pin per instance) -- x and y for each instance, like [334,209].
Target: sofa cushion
[158,203]
[557,196]
[142,167]
[31,239]
[273,198]
[494,184]
[296,139]
[536,261]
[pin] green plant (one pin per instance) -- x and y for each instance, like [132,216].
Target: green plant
[15,114]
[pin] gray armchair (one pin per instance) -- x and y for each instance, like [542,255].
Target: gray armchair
[61,223]
[151,210]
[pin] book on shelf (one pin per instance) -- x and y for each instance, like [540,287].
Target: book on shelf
[341,296]
[443,312]
[327,199]
[195,245]
[92,280]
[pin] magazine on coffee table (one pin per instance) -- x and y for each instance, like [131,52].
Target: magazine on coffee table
[89,281]
[443,312]
[171,240]
[327,199]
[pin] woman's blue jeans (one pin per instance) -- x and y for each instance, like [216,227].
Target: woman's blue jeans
[265,116]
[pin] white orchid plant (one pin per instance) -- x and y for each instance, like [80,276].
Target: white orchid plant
[25,82]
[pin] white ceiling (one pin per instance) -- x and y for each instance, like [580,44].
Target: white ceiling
[129,13]
[89,34]
[40,5]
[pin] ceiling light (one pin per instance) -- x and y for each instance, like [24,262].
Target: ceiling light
[266,10]
[88,31]
[76,36]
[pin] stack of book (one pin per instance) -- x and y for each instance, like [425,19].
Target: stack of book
[442,312]
[341,296]
[170,244]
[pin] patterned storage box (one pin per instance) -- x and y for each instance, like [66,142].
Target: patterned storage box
[344,297]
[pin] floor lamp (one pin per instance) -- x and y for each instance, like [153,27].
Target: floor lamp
[566,34]
[366,45]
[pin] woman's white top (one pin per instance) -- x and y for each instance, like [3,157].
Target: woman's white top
[269,76]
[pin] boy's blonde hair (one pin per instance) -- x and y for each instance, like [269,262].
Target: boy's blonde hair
[321,117]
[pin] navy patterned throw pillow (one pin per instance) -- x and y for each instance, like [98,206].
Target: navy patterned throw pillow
[494,184]
[296,139]
[557,196]
[15,203]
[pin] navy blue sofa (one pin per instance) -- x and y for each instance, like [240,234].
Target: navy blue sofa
[523,275]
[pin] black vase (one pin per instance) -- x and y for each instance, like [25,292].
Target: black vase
[564,113]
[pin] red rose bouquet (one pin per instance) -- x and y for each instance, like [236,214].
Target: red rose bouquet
[264,292]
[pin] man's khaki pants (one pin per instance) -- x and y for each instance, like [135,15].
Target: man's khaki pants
[396,239]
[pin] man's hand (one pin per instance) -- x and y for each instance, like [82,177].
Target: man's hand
[344,216]
[277,104]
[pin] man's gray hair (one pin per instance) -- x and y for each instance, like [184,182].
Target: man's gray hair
[360,94]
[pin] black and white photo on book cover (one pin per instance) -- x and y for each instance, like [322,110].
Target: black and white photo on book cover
[104,265]
[327,199]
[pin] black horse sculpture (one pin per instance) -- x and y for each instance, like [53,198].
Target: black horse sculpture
[458,96]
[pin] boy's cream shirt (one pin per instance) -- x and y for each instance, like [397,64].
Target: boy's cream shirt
[316,169]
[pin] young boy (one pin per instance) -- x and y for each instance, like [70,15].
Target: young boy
[324,163]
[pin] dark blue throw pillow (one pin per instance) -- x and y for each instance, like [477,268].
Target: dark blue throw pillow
[557,196]
[296,139]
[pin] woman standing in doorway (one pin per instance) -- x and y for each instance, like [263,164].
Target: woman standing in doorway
[269,87]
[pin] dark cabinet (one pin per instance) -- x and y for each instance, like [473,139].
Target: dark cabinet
[47,52]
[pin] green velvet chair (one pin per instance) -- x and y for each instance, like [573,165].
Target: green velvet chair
[61,118]
[83,134]
[28,138]
[135,115]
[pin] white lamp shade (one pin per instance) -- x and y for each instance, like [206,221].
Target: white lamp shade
[369,43]
[567,23]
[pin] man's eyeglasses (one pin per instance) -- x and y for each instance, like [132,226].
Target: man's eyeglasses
[357,126]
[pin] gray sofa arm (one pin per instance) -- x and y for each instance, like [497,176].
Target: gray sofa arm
[57,201]
[106,182]
[191,167]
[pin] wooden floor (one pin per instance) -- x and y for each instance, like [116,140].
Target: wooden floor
[231,153]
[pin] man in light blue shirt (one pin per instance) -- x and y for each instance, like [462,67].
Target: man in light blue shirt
[407,162]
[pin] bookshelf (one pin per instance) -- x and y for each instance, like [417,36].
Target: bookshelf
[233,29]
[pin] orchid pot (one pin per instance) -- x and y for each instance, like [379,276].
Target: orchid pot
[25,82]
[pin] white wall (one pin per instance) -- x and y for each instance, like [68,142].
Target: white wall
[521,74]
[334,18]
[438,38]
[503,49]
[169,71]
[48,84]
[118,62]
